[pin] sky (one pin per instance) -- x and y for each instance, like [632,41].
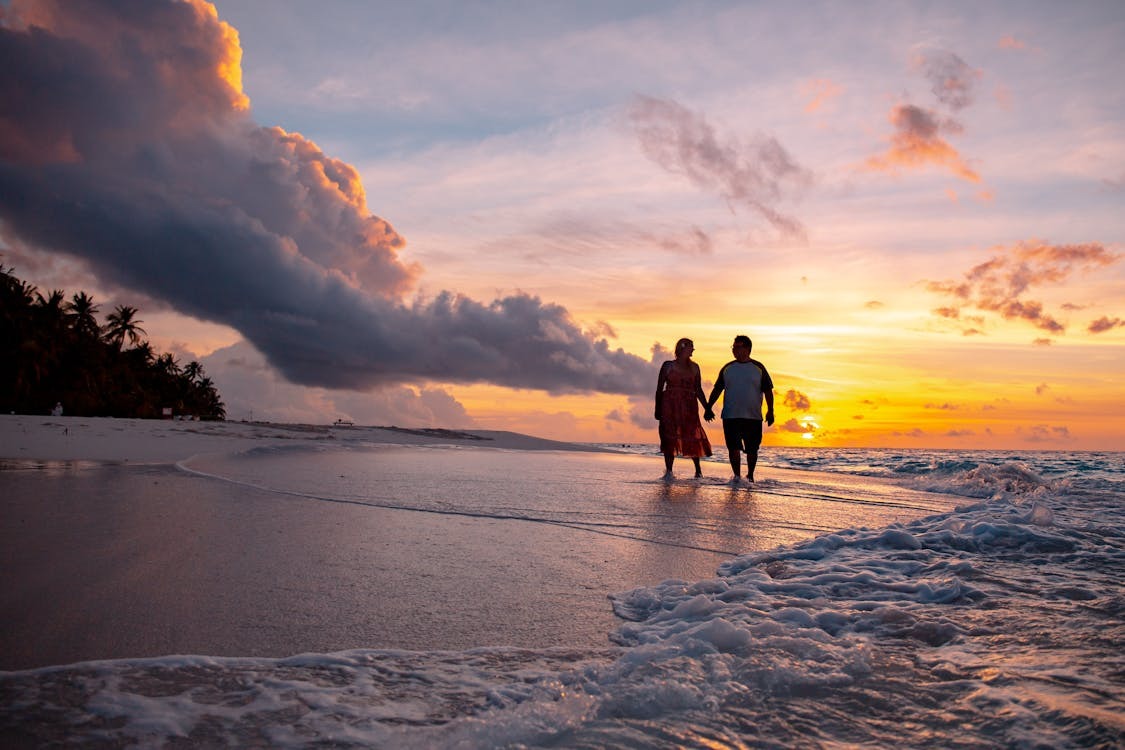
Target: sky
[503,215]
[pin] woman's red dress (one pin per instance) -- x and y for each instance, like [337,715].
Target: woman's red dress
[681,433]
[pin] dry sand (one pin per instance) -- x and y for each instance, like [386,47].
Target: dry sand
[167,441]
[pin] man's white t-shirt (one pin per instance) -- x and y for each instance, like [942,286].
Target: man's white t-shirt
[743,384]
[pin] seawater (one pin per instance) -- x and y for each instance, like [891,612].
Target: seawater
[966,599]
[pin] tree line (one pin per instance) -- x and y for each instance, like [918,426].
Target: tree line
[54,351]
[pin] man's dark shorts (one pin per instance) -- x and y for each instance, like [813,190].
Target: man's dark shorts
[743,434]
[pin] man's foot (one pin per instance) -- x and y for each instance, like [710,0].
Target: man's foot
[669,476]
[750,478]
[735,480]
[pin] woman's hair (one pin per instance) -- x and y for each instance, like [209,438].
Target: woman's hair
[683,343]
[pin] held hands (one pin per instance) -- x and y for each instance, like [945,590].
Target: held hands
[708,414]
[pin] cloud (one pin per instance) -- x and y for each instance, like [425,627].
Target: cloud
[126,141]
[794,426]
[1042,433]
[695,242]
[796,400]
[253,390]
[1105,323]
[917,432]
[757,175]
[660,354]
[820,91]
[918,142]
[951,78]
[998,284]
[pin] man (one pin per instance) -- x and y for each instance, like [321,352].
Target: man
[746,382]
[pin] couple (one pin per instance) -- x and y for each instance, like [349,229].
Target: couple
[678,387]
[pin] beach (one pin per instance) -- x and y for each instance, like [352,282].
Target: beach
[234,584]
[111,551]
[118,543]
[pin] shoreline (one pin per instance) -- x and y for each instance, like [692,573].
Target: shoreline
[114,550]
[156,441]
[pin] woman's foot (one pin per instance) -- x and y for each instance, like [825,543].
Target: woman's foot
[669,476]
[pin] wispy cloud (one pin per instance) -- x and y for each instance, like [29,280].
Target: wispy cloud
[952,80]
[999,285]
[819,92]
[758,174]
[129,122]
[1042,433]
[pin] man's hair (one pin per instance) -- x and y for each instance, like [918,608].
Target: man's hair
[744,340]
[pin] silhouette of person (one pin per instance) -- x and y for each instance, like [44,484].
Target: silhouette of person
[745,382]
[678,387]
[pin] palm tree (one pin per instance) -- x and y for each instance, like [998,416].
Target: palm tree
[120,325]
[143,356]
[193,371]
[81,309]
[166,364]
[208,399]
[51,309]
[17,295]
[52,349]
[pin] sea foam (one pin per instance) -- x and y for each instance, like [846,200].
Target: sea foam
[999,623]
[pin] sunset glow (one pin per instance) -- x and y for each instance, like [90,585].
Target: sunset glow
[506,220]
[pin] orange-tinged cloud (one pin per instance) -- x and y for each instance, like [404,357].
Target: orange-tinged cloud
[918,143]
[999,283]
[107,78]
[820,91]
[796,400]
[1105,323]
[161,182]
[229,65]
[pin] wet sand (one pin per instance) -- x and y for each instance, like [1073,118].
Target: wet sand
[134,557]
[114,561]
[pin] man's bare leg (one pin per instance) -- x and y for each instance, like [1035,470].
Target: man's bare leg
[751,464]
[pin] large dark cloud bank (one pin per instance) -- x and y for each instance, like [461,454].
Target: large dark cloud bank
[126,141]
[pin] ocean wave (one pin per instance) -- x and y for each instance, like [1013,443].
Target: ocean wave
[998,624]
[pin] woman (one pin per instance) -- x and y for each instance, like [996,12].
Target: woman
[678,387]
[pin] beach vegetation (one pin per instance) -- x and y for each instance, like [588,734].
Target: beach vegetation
[54,351]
